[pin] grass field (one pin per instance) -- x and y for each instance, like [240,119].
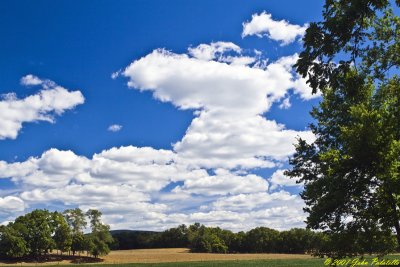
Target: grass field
[226,263]
[181,257]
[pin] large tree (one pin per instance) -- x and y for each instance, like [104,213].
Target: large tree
[351,172]
[37,229]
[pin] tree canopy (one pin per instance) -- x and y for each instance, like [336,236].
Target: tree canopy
[200,238]
[37,233]
[351,172]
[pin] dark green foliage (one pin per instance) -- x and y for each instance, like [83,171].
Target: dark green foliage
[37,233]
[99,239]
[126,239]
[298,240]
[216,240]
[175,237]
[262,239]
[351,172]
[36,229]
[11,243]
[209,240]
[78,243]
[365,34]
[62,235]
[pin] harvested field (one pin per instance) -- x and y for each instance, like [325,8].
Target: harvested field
[182,254]
[169,255]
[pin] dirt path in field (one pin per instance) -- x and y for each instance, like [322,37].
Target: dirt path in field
[172,255]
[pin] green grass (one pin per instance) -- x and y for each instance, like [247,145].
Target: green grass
[252,263]
[233,263]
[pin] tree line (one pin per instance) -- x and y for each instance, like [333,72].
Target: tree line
[39,232]
[200,238]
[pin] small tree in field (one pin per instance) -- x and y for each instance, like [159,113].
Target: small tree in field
[77,222]
[99,239]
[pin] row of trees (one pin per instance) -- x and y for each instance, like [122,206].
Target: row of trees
[39,232]
[200,238]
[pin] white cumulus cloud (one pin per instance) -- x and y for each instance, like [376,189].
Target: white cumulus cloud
[282,31]
[51,100]
[228,130]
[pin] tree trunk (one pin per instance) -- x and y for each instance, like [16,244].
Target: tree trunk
[395,219]
[397,227]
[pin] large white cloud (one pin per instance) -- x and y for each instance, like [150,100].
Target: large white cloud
[51,100]
[263,25]
[229,130]
[190,83]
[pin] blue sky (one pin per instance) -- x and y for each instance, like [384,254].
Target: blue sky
[194,139]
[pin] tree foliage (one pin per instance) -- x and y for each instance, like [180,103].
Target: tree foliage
[36,229]
[354,33]
[12,243]
[99,239]
[39,232]
[62,233]
[351,172]
[76,221]
[200,238]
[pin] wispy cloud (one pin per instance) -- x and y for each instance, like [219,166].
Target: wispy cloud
[115,128]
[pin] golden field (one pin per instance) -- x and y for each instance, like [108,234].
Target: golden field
[171,255]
